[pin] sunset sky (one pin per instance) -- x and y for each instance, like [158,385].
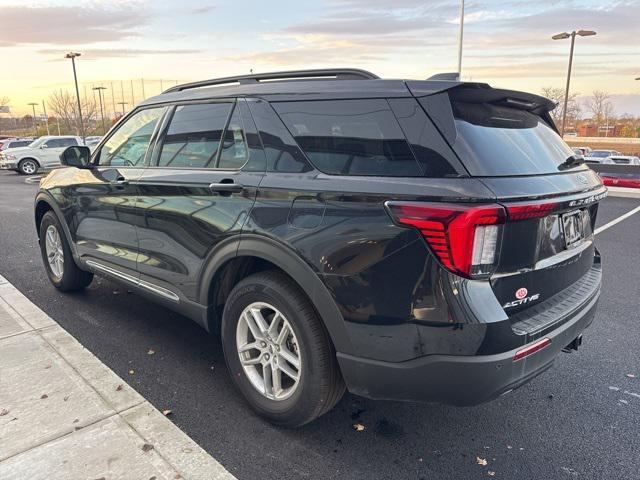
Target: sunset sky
[507,43]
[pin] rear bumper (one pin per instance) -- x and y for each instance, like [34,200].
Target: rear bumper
[459,380]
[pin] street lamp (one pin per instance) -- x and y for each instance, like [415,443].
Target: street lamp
[33,106]
[99,89]
[563,36]
[72,56]
[123,104]
[46,117]
[460,35]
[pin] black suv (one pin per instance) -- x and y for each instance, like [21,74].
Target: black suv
[413,240]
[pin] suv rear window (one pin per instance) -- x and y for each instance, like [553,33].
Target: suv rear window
[497,141]
[350,137]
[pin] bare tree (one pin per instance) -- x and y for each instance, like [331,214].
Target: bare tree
[573,107]
[65,107]
[599,105]
[4,107]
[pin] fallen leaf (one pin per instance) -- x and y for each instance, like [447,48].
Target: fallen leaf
[481,461]
[44,395]
[167,412]
[47,367]
[131,372]
[66,398]
[491,473]
[151,352]
[358,427]
[119,387]
[153,478]
[631,375]
[3,412]
[146,447]
[76,421]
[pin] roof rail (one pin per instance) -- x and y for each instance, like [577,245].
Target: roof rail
[451,76]
[328,73]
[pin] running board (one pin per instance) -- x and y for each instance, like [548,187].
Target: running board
[148,286]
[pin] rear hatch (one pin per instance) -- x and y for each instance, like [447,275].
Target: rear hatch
[507,140]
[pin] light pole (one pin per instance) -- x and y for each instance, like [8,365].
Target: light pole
[33,106]
[72,56]
[123,104]
[460,35]
[562,36]
[99,89]
[46,118]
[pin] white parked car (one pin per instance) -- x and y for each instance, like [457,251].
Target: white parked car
[41,153]
[625,159]
[601,156]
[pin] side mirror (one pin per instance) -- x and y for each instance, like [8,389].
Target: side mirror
[44,145]
[76,156]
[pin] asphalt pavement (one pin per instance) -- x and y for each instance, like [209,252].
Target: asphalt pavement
[578,420]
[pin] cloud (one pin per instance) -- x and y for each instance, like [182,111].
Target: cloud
[201,10]
[64,25]
[96,53]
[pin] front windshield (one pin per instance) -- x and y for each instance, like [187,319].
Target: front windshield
[37,143]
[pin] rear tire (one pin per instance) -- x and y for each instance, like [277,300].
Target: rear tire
[58,260]
[287,402]
[28,166]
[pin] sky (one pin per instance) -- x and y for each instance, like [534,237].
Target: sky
[506,43]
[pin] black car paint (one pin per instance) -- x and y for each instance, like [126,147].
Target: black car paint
[381,293]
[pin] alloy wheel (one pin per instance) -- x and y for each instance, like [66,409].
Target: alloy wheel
[29,167]
[55,252]
[269,351]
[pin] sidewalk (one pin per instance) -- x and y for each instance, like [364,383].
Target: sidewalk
[65,415]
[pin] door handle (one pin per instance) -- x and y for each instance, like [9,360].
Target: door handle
[226,186]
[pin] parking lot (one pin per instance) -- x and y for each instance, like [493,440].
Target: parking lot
[578,420]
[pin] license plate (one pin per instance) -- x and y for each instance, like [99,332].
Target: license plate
[573,227]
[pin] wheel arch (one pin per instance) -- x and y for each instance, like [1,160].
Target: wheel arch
[247,254]
[30,158]
[44,203]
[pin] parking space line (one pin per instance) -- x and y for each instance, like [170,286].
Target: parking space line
[617,220]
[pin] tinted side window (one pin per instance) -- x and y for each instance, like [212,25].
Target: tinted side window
[19,144]
[429,147]
[283,155]
[128,144]
[350,137]
[194,134]
[233,153]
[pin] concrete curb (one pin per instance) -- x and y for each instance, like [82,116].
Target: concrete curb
[66,415]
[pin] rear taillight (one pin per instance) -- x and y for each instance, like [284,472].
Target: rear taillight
[527,211]
[465,238]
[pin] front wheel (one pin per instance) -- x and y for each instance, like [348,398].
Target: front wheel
[58,260]
[28,166]
[278,351]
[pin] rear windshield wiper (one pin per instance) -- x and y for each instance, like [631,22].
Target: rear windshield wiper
[572,161]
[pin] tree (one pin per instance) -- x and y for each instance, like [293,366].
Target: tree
[600,106]
[4,106]
[573,107]
[64,106]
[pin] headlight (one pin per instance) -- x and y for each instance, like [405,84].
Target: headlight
[10,157]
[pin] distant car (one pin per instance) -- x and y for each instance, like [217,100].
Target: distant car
[628,180]
[571,134]
[625,160]
[14,143]
[91,142]
[41,153]
[600,156]
[584,151]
